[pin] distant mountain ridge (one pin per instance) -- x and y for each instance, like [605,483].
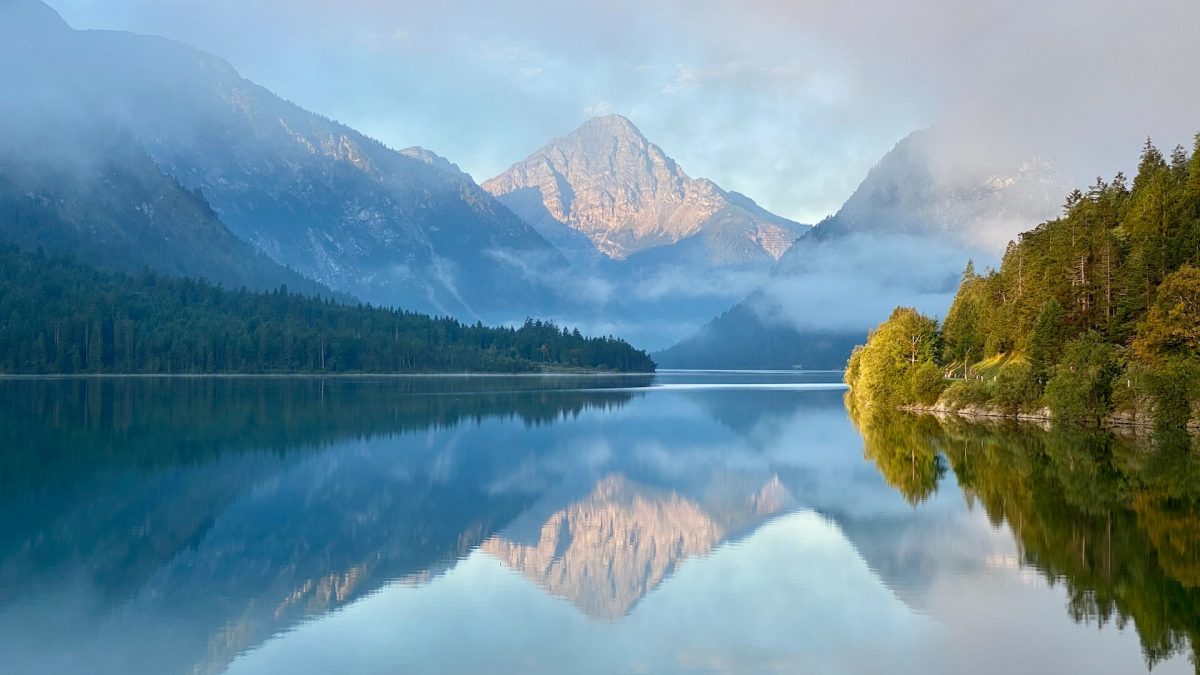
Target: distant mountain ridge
[394,228]
[923,187]
[608,182]
[905,234]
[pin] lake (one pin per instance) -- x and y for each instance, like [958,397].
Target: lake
[689,522]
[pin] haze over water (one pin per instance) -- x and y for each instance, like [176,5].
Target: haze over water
[678,523]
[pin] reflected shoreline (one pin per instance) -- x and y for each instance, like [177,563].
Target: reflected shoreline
[1142,426]
[183,522]
[1114,517]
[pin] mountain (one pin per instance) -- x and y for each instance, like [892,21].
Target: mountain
[393,228]
[77,185]
[606,181]
[124,214]
[934,184]
[902,238]
[672,248]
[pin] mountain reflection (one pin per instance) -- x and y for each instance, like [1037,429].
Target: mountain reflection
[209,512]
[606,551]
[1115,519]
[196,525]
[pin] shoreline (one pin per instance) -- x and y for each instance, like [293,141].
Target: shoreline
[1114,422]
[231,376]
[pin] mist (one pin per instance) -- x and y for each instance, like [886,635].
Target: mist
[788,102]
[852,284]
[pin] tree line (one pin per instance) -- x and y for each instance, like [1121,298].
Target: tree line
[1093,314]
[58,315]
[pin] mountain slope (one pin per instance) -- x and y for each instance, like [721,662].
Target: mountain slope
[903,238]
[70,183]
[313,194]
[926,187]
[123,214]
[608,182]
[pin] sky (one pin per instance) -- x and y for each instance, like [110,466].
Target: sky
[788,101]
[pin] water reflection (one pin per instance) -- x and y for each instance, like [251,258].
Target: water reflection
[1113,518]
[606,551]
[178,522]
[571,524]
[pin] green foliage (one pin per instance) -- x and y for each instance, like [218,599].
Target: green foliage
[59,316]
[853,366]
[926,383]
[1015,388]
[963,334]
[1172,326]
[1112,284]
[1081,388]
[964,393]
[1173,384]
[1046,341]
[879,373]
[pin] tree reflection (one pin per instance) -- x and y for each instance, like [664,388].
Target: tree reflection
[903,449]
[1114,519]
[116,477]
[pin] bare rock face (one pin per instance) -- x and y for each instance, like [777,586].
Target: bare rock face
[606,181]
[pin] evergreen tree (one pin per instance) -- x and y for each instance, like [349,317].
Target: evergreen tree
[1110,286]
[65,317]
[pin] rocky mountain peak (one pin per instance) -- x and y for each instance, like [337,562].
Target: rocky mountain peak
[607,181]
[611,125]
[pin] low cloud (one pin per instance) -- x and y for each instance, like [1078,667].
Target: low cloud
[548,268]
[684,283]
[852,284]
[789,102]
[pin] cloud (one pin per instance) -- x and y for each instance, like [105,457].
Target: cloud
[849,284]
[789,102]
[547,269]
[598,109]
[681,283]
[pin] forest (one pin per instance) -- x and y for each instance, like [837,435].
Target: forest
[59,316]
[1092,317]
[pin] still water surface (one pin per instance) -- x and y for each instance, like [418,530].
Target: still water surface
[681,523]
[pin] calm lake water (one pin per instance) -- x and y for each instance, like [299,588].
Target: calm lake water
[687,522]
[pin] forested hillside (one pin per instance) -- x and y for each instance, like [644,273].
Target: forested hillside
[1092,314]
[60,316]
